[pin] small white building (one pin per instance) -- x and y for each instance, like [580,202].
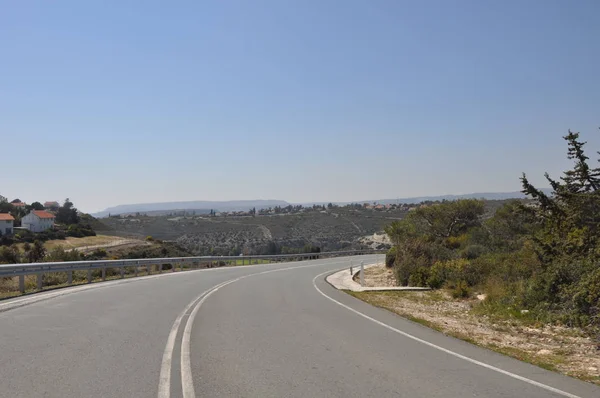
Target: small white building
[6,224]
[38,221]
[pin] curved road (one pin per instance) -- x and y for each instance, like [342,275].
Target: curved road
[274,330]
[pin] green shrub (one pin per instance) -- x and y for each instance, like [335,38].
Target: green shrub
[419,277]
[54,278]
[79,231]
[60,254]
[9,254]
[97,254]
[472,252]
[451,271]
[390,257]
[586,295]
[460,289]
[437,275]
[407,266]
[455,242]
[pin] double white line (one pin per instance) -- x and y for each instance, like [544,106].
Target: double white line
[187,382]
[164,384]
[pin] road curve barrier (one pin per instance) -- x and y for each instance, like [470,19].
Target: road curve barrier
[145,266]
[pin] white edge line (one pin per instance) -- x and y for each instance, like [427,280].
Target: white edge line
[437,347]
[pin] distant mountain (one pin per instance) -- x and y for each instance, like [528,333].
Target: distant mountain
[200,205]
[419,199]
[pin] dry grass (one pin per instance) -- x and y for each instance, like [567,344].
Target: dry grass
[566,350]
[72,243]
[378,276]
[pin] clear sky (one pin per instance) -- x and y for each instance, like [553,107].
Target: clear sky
[114,102]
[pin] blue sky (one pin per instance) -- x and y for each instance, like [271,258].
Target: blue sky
[113,102]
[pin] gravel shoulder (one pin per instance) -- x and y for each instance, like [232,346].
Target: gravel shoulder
[566,350]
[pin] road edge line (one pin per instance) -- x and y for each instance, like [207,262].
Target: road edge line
[437,347]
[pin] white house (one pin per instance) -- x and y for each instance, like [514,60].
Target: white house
[38,221]
[6,224]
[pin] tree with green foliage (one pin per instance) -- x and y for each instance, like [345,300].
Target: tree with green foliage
[9,254]
[509,227]
[571,215]
[67,213]
[450,218]
[37,252]
[6,207]
[36,206]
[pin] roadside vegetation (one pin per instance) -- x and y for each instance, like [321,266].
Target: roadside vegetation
[523,280]
[535,260]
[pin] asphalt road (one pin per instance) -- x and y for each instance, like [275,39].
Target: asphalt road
[275,330]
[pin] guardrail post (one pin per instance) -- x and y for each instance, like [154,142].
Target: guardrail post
[22,283]
[89,275]
[70,277]
[173,266]
[148,269]
[135,271]
[122,272]
[103,274]
[160,268]
[40,281]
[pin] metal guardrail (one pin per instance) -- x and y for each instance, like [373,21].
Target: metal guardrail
[39,269]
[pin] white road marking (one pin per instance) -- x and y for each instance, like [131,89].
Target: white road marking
[437,347]
[187,381]
[164,384]
[42,296]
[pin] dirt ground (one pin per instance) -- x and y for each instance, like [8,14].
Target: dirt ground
[566,350]
[378,276]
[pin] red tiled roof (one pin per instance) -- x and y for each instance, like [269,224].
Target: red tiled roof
[51,203]
[6,217]
[43,214]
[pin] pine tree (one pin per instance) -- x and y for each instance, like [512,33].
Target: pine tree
[571,215]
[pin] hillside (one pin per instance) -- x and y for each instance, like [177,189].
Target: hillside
[336,228]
